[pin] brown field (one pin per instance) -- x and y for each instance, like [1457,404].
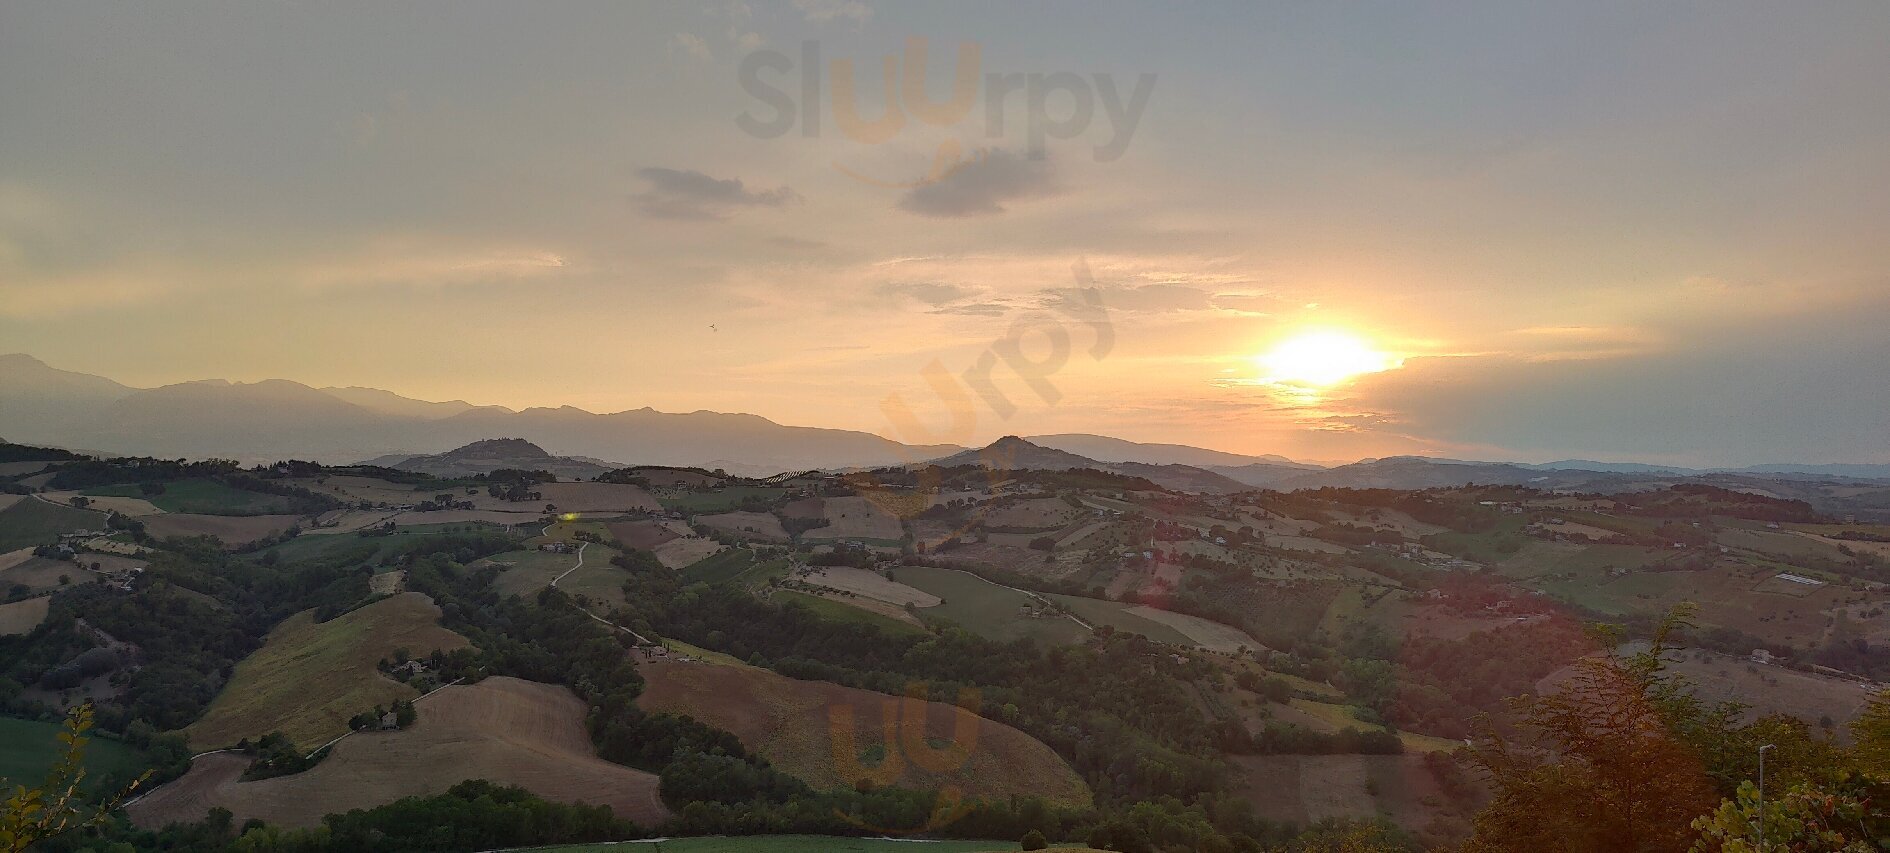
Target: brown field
[597,497]
[37,481]
[1860,546]
[13,558]
[24,615]
[15,469]
[822,732]
[856,518]
[1307,788]
[804,508]
[234,530]
[643,535]
[869,584]
[506,730]
[870,605]
[387,583]
[127,506]
[9,500]
[370,489]
[1771,689]
[1207,634]
[1036,514]
[309,677]
[464,516]
[40,574]
[684,551]
[755,525]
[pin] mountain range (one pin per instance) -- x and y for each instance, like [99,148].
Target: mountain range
[279,419]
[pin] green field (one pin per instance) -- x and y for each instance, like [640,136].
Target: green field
[1116,615]
[984,608]
[30,749]
[727,499]
[720,566]
[840,611]
[793,844]
[201,496]
[32,522]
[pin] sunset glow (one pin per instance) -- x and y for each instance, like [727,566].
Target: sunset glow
[1323,359]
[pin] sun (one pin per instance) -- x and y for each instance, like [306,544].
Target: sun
[1322,359]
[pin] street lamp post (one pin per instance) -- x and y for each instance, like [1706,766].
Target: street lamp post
[1762,751]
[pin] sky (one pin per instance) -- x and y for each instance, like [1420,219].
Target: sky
[1649,232]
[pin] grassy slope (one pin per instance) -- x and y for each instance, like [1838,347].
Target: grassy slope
[309,678]
[1116,614]
[840,611]
[32,747]
[206,497]
[33,522]
[984,608]
[720,566]
[728,499]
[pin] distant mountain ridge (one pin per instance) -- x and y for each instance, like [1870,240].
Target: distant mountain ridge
[259,422]
[1012,453]
[492,454]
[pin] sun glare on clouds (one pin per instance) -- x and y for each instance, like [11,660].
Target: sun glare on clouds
[1321,359]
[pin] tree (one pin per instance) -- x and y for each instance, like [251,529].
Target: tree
[1033,840]
[1600,767]
[1871,730]
[55,807]
[1807,818]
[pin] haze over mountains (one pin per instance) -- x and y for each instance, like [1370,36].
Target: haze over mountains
[278,419]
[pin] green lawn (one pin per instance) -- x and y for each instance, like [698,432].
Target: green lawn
[984,608]
[203,496]
[840,611]
[720,566]
[32,522]
[727,499]
[793,844]
[28,749]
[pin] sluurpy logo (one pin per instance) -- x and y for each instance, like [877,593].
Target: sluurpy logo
[1038,106]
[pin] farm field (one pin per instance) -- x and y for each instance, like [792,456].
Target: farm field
[1306,788]
[32,747]
[1765,689]
[856,518]
[757,525]
[1205,633]
[22,616]
[595,497]
[37,574]
[865,611]
[726,499]
[984,608]
[643,534]
[234,530]
[103,503]
[32,522]
[828,735]
[868,583]
[719,567]
[528,571]
[207,497]
[1121,617]
[1034,514]
[509,731]
[685,551]
[309,677]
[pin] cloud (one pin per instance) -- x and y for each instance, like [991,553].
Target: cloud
[692,195]
[819,11]
[980,186]
[934,293]
[695,46]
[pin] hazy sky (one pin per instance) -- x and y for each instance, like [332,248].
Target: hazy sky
[1636,231]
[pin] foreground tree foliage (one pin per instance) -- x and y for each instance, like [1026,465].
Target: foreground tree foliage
[56,807]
